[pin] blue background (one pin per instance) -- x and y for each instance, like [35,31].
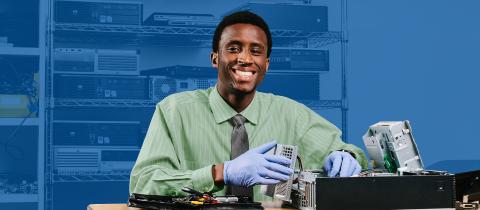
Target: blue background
[404,60]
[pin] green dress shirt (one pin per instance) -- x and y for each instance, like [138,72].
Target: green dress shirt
[189,133]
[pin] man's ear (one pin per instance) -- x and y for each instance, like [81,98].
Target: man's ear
[214,59]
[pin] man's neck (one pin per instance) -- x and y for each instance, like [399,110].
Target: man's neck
[238,101]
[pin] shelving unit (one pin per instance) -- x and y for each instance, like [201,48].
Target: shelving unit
[23,23]
[77,35]
[91,178]
[180,36]
[149,103]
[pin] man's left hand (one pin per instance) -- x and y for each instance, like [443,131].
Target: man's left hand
[341,163]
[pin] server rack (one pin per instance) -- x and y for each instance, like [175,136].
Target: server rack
[22,90]
[64,34]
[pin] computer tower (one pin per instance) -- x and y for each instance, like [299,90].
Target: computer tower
[100,87]
[96,133]
[164,86]
[308,18]
[296,60]
[99,12]
[181,20]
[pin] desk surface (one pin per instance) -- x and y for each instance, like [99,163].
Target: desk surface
[122,206]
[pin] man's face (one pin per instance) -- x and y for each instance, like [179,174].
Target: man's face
[241,59]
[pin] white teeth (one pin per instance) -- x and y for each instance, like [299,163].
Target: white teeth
[244,73]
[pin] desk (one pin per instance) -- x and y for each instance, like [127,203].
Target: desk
[122,206]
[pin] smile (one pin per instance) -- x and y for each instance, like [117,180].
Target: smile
[243,74]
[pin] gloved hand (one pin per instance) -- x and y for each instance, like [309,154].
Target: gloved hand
[255,167]
[341,162]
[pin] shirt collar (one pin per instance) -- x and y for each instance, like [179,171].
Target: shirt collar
[223,112]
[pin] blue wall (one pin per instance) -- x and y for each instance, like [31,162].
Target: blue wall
[417,60]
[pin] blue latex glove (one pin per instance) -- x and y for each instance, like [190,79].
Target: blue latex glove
[255,167]
[341,163]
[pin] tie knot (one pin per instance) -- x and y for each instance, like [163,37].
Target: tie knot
[238,120]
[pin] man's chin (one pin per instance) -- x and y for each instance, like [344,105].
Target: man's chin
[244,90]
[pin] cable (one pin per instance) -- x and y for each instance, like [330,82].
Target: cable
[299,161]
[14,151]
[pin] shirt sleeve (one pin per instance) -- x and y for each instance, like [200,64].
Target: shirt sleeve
[319,137]
[158,171]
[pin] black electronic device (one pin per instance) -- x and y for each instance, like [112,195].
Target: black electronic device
[385,192]
[98,12]
[308,18]
[181,20]
[96,133]
[180,71]
[74,60]
[163,86]
[100,87]
[299,60]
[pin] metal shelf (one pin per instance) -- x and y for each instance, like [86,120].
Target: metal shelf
[313,104]
[169,30]
[167,35]
[17,121]
[27,51]
[103,103]
[79,27]
[18,198]
[91,178]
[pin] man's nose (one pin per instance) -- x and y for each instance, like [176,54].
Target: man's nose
[244,58]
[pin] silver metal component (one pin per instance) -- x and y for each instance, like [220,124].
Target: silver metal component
[370,173]
[227,199]
[303,193]
[308,199]
[392,143]
[282,190]
[467,205]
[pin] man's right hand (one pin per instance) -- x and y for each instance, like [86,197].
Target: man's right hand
[255,167]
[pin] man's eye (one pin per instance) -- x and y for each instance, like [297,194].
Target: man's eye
[256,51]
[233,49]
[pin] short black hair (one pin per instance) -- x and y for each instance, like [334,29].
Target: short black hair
[242,17]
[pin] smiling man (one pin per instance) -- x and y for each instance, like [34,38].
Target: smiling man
[215,140]
[241,60]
